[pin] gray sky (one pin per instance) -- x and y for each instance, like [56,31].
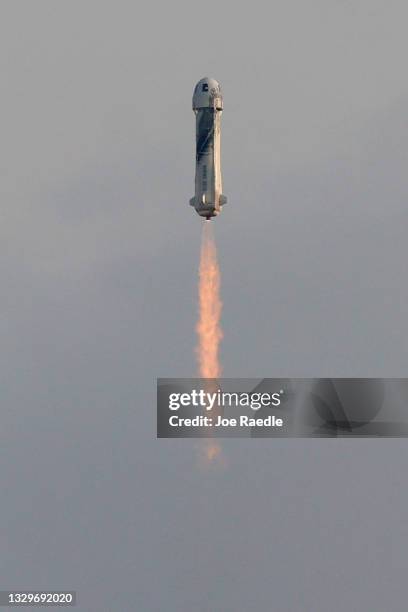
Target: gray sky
[98,265]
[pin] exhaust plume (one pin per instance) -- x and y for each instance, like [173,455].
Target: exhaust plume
[209,324]
[208,327]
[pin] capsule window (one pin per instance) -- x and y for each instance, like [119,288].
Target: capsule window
[204,87]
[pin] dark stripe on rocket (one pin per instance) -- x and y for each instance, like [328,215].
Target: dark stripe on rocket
[205,132]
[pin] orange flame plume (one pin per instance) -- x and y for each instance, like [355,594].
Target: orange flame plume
[210,306]
[209,326]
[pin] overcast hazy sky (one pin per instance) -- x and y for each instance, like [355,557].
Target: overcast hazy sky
[98,267]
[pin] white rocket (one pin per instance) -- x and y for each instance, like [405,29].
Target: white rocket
[207,106]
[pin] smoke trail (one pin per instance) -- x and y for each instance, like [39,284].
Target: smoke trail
[209,323]
[208,327]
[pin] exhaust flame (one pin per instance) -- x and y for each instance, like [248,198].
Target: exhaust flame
[209,327]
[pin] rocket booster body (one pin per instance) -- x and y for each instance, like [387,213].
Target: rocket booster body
[208,106]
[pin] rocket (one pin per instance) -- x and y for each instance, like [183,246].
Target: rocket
[207,106]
